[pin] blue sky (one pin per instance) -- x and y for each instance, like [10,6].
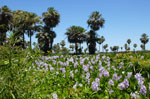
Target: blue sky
[123,18]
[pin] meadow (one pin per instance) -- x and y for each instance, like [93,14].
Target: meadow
[28,74]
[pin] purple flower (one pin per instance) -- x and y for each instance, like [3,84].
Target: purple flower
[106,73]
[142,57]
[95,86]
[111,91]
[111,82]
[54,96]
[115,77]
[87,75]
[100,74]
[124,84]
[143,90]
[137,76]
[74,86]
[121,86]
[135,95]
[119,77]
[129,74]
[71,74]
[76,71]
[75,64]
[85,68]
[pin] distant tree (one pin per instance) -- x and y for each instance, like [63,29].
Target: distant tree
[76,35]
[72,47]
[95,22]
[114,48]
[105,46]
[62,43]
[56,48]
[126,46]
[51,18]
[129,42]
[142,46]
[100,41]
[144,39]
[5,21]
[134,45]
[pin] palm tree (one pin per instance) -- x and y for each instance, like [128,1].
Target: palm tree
[44,39]
[142,46]
[105,46]
[100,41]
[95,22]
[62,43]
[32,20]
[76,35]
[51,18]
[20,24]
[72,47]
[5,18]
[126,46]
[144,39]
[134,45]
[129,41]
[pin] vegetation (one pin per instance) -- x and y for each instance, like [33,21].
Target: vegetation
[49,70]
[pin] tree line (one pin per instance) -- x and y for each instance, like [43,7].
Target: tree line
[21,22]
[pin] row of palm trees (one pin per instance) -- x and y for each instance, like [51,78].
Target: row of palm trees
[21,22]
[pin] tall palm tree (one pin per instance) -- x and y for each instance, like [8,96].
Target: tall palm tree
[62,43]
[144,39]
[105,46]
[51,18]
[134,45]
[129,41]
[20,23]
[5,18]
[100,41]
[95,22]
[32,20]
[43,39]
[76,35]
[126,46]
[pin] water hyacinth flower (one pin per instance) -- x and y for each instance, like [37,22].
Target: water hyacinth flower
[100,74]
[142,57]
[54,96]
[135,95]
[106,73]
[87,75]
[115,77]
[103,58]
[129,74]
[75,85]
[80,85]
[111,82]
[124,84]
[95,86]
[75,64]
[119,77]
[111,91]
[121,86]
[71,74]
[76,71]
[85,68]
[143,90]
